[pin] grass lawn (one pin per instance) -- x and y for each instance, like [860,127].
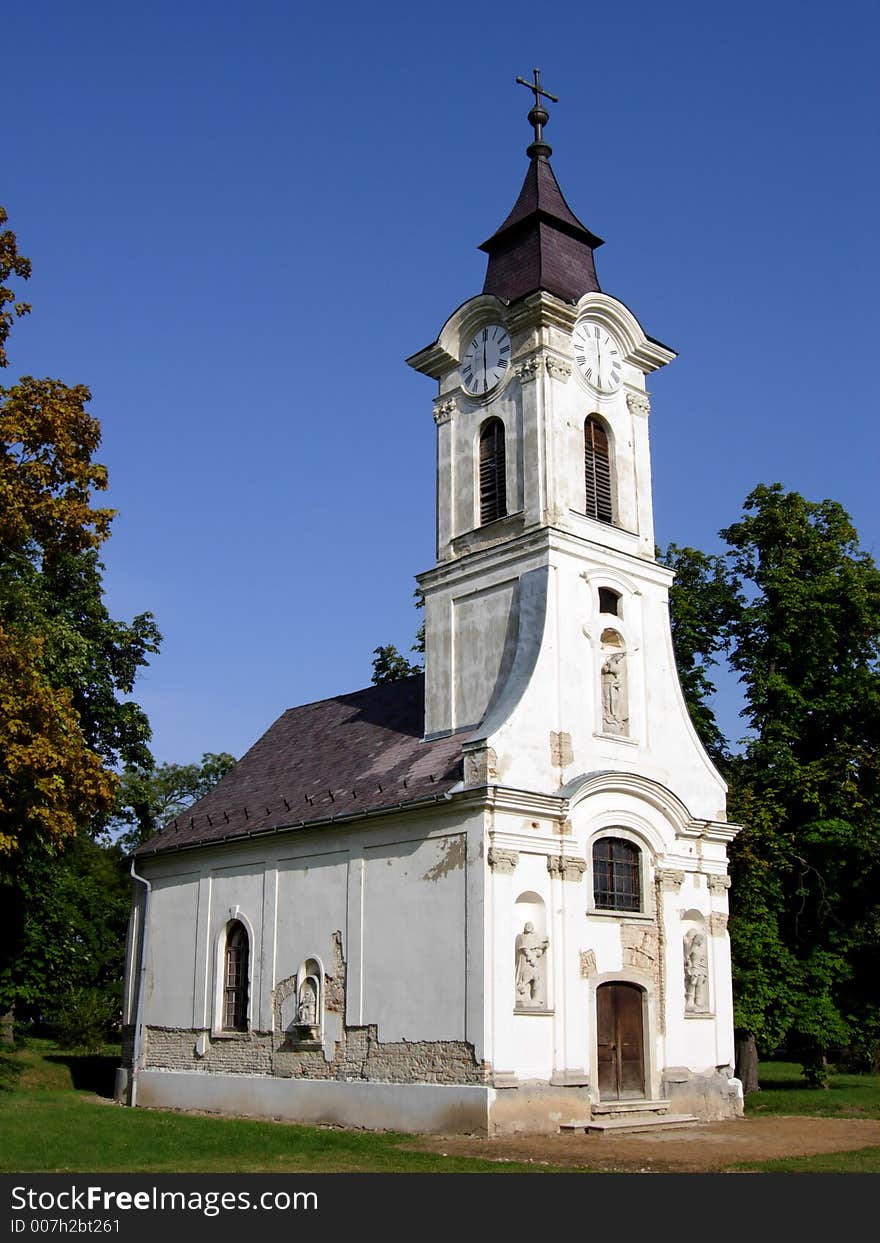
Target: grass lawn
[783,1091]
[56,1115]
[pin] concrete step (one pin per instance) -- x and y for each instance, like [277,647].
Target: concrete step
[631,1124]
[638,1105]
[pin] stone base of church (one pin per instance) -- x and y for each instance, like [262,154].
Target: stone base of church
[427,1108]
[711,1096]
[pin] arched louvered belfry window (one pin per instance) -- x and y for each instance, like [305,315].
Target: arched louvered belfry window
[493,479]
[235,978]
[597,470]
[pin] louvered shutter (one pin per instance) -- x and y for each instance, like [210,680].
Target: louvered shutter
[493,482]
[597,471]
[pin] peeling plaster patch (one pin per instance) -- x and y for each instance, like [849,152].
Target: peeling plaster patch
[453,853]
[561,753]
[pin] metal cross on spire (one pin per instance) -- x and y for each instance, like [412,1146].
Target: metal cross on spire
[538,117]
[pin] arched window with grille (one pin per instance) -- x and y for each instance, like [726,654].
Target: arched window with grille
[597,470]
[493,479]
[617,882]
[235,978]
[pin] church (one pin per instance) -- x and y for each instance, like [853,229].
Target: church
[493,897]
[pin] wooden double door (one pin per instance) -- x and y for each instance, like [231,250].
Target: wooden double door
[621,1040]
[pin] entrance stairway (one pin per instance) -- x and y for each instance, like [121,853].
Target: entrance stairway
[630,1117]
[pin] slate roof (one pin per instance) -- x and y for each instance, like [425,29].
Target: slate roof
[331,759]
[541,244]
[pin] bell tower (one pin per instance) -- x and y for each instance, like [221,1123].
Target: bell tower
[547,631]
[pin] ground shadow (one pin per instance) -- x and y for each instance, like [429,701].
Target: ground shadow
[89,1072]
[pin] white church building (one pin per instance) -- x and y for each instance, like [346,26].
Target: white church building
[494,897]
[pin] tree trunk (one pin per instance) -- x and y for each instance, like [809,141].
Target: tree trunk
[747,1062]
[7,1036]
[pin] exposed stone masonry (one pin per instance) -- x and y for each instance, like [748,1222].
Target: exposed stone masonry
[358,1055]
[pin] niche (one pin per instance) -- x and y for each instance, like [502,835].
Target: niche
[530,955]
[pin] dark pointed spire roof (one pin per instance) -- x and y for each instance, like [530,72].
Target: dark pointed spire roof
[542,244]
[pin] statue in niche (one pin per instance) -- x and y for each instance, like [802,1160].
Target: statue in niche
[613,718]
[696,971]
[530,950]
[307,1004]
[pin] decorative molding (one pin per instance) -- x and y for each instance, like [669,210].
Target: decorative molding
[638,403]
[528,368]
[670,879]
[718,924]
[641,947]
[557,368]
[565,868]
[444,410]
[588,963]
[503,861]
[718,884]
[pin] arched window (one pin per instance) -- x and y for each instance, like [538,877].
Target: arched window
[616,875]
[235,978]
[493,482]
[597,470]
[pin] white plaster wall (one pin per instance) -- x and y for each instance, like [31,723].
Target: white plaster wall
[403,890]
[171,949]
[483,633]
[312,905]
[415,938]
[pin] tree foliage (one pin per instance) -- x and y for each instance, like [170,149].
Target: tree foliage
[795,605]
[65,664]
[66,667]
[389,665]
[12,264]
[702,606]
[151,796]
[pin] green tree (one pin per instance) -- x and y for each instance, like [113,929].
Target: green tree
[703,604]
[66,667]
[807,865]
[74,927]
[390,666]
[150,796]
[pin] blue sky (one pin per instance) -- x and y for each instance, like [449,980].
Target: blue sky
[244,216]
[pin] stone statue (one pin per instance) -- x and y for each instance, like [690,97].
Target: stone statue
[613,698]
[530,951]
[696,971]
[307,1008]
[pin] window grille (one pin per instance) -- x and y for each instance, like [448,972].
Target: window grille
[616,879]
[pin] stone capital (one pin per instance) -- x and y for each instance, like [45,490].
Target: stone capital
[566,868]
[528,368]
[638,403]
[444,410]
[557,368]
[503,861]
[718,924]
[718,884]
[669,878]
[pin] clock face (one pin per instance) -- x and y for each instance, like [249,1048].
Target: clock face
[485,360]
[597,355]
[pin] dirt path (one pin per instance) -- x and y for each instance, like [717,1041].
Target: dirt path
[712,1147]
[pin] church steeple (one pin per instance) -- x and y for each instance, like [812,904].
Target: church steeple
[541,244]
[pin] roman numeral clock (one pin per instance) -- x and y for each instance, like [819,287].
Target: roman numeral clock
[597,356]
[485,360]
